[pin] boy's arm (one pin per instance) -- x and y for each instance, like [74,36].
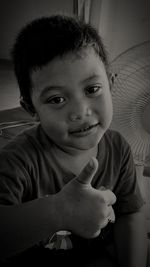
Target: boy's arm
[24,225]
[74,208]
[131,240]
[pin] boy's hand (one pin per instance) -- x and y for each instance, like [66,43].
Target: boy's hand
[83,209]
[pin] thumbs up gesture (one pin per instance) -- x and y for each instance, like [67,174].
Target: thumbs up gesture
[84,210]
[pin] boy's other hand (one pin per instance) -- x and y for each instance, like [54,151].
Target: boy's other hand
[84,210]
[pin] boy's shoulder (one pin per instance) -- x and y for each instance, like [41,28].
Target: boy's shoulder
[116,139]
[25,140]
[115,135]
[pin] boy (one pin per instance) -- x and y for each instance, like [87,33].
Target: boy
[63,180]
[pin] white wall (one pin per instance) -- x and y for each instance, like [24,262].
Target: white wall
[124,23]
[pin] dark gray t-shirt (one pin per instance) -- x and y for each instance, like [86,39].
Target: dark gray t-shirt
[30,169]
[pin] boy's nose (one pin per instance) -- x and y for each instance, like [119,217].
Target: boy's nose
[80,114]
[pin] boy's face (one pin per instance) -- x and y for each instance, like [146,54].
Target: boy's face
[72,98]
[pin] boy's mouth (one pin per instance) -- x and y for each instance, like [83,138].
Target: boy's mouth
[84,128]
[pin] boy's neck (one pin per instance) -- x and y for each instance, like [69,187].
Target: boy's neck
[75,162]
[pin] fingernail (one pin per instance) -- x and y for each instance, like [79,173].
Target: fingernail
[91,163]
[103,188]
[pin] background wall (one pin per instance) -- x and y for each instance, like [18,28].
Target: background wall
[123,24]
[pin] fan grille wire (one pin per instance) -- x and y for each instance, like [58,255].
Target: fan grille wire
[130,96]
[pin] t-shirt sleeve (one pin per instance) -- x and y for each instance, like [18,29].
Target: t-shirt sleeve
[14,178]
[129,197]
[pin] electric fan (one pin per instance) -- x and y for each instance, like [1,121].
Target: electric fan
[131,99]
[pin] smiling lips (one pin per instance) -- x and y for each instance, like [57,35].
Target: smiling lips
[84,129]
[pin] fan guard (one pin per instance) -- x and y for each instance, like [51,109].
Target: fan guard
[131,99]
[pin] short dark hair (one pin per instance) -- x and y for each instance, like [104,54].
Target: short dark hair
[45,38]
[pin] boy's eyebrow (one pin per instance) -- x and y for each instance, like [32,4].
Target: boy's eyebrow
[94,76]
[48,88]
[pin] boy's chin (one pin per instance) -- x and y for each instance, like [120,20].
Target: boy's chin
[85,145]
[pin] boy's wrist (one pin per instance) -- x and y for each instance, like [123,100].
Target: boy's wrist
[57,212]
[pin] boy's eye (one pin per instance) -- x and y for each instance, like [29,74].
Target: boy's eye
[94,90]
[56,100]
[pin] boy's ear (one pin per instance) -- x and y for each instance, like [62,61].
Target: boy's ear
[112,79]
[29,108]
[36,117]
[113,76]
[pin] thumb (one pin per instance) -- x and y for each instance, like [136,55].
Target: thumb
[87,174]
